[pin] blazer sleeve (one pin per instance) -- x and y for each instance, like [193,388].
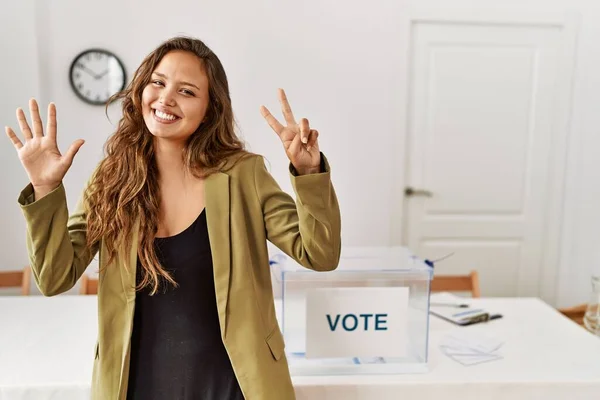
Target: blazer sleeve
[308,230]
[56,242]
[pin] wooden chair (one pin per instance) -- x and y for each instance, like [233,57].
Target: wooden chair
[457,283]
[20,279]
[575,313]
[88,285]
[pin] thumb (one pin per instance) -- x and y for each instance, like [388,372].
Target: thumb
[73,149]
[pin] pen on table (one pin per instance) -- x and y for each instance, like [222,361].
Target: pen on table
[456,305]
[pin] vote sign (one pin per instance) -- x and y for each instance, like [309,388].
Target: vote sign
[356,322]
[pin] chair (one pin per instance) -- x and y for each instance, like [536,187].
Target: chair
[457,283]
[575,313]
[88,285]
[20,279]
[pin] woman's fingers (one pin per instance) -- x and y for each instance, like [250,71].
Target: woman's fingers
[51,124]
[295,146]
[34,112]
[73,149]
[271,120]
[286,109]
[304,130]
[23,124]
[13,137]
[312,139]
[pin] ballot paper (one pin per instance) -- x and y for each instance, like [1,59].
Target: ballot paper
[470,348]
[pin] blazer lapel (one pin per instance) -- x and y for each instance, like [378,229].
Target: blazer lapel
[127,265]
[216,193]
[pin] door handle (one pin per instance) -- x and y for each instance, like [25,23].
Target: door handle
[409,191]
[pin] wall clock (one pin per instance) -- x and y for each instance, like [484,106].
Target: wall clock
[95,75]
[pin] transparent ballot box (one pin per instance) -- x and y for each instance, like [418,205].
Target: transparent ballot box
[357,319]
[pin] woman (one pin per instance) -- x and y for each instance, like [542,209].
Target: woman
[180,214]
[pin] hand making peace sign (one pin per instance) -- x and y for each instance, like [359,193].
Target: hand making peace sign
[299,141]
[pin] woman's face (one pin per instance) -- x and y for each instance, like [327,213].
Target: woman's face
[175,101]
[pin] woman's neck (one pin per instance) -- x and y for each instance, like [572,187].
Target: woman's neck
[169,160]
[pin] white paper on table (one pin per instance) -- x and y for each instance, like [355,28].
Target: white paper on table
[471,347]
[471,340]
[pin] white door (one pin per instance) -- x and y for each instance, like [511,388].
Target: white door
[488,106]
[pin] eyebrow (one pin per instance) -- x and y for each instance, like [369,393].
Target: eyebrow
[182,82]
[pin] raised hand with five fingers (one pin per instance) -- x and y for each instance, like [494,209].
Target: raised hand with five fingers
[299,140]
[43,162]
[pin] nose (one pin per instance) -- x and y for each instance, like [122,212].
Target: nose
[167,98]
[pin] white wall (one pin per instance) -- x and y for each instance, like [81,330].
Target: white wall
[337,61]
[331,76]
[19,81]
[580,253]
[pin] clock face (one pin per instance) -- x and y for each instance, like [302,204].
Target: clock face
[96,75]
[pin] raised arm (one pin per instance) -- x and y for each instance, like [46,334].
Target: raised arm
[56,242]
[308,230]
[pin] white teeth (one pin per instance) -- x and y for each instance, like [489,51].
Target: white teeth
[163,115]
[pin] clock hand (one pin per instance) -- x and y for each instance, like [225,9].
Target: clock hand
[102,74]
[86,69]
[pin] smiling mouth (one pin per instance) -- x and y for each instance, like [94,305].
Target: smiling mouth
[164,117]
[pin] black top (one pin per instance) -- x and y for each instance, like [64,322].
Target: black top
[176,347]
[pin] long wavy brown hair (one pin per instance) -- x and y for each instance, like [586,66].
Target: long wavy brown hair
[125,185]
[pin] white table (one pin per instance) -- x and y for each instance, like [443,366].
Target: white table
[546,356]
[47,347]
[46,352]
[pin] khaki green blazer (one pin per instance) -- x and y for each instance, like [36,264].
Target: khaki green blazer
[245,207]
